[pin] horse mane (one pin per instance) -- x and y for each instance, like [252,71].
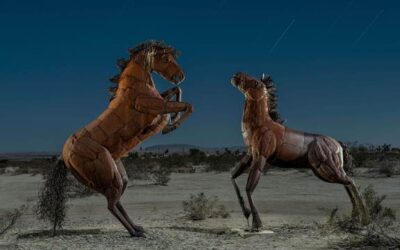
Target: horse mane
[122,62]
[272,99]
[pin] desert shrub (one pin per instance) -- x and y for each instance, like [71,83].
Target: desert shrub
[9,219]
[359,155]
[142,167]
[197,156]
[221,211]
[199,207]
[161,175]
[370,240]
[387,168]
[372,236]
[222,162]
[379,214]
[139,169]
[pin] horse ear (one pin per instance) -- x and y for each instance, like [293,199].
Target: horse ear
[264,77]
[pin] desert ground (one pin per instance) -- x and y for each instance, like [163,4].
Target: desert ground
[292,203]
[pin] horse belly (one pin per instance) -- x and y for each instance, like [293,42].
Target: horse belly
[293,146]
[134,134]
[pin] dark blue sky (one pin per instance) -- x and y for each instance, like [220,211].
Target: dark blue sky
[336,65]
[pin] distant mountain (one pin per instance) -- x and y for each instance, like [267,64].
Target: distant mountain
[158,149]
[27,155]
[185,148]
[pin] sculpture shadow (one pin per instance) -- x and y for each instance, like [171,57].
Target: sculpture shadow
[63,232]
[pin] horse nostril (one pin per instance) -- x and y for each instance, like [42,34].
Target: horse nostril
[176,78]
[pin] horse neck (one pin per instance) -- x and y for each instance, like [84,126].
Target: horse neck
[135,77]
[256,112]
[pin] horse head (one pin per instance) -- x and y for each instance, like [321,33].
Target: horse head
[250,86]
[160,58]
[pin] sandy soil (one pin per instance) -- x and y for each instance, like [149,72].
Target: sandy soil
[291,204]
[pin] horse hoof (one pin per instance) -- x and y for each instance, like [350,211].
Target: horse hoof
[256,229]
[247,213]
[139,229]
[138,234]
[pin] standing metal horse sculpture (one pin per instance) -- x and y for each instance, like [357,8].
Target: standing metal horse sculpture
[136,111]
[268,141]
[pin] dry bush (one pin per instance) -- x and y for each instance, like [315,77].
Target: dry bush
[374,234]
[221,211]
[139,170]
[380,216]
[161,176]
[370,240]
[8,220]
[387,168]
[199,207]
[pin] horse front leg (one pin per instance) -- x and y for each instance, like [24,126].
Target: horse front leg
[176,122]
[255,173]
[168,95]
[158,106]
[238,170]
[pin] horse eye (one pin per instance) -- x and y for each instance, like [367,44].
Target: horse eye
[165,58]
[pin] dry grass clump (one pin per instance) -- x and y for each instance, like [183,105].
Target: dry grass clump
[199,207]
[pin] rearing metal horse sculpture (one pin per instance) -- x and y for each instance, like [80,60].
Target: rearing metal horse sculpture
[268,141]
[136,112]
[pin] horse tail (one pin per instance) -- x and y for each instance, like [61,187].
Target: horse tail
[53,196]
[347,159]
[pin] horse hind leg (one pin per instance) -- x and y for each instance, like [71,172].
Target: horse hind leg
[98,170]
[137,228]
[124,177]
[359,209]
[326,162]
[359,206]
[122,172]
[113,196]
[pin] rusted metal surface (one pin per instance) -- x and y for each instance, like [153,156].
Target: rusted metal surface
[269,141]
[136,112]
